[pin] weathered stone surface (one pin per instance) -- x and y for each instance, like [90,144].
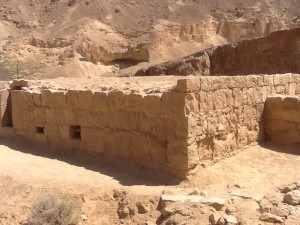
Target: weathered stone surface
[181,198]
[217,218]
[268,217]
[217,203]
[282,119]
[292,197]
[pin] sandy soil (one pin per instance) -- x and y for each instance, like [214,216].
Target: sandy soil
[27,174]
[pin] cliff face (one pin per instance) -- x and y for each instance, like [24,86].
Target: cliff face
[89,38]
[276,53]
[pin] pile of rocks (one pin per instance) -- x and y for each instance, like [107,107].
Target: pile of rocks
[286,211]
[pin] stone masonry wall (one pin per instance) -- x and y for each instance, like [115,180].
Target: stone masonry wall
[198,119]
[225,113]
[149,130]
[282,120]
[276,53]
[5,105]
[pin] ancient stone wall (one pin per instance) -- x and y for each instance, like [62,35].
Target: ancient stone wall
[197,119]
[282,119]
[226,113]
[5,106]
[150,130]
[276,53]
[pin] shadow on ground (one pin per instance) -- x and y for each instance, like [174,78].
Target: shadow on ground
[295,150]
[125,173]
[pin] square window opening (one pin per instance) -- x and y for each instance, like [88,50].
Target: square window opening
[75,132]
[40,130]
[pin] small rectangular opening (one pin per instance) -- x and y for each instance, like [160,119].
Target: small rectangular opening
[40,130]
[75,132]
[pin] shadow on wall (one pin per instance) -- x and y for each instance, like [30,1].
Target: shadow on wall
[125,173]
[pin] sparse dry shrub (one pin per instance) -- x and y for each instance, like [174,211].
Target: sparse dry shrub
[54,210]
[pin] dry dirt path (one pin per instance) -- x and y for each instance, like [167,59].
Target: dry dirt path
[27,175]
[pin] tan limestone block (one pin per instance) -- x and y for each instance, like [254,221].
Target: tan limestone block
[116,101]
[100,101]
[59,99]
[219,99]
[191,104]
[188,85]
[72,99]
[251,81]
[17,99]
[152,105]
[238,97]
[133,102]
[54,99]
[51,130]
[216,83]
[85,98]
[4,97]
[205,84]
[27,98]
[155,126]
[268,80]
[70,116]
[37,99]
[39,114]
[89,118]
[5,117]
[64,131]
[46,96]
[173,103]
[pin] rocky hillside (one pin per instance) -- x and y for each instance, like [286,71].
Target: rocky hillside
[73,38]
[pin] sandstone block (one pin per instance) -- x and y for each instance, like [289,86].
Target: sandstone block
[4,97]
[188,85]
[152,105]
[85,99]
[173,104]
[191,104]
[116,101]
[39,114]
[70,116]
[72,99]
[5,115]
[133,102]
[89,118]
[51,130]
[37,98]
[100,101]
[54,99]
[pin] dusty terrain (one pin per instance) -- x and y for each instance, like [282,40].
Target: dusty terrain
[70,38]
[106,195]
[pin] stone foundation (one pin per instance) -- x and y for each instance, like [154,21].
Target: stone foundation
[170,123]
[282,120]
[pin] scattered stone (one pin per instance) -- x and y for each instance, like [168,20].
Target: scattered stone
[181,198]
[281,210]
[230,209]
[288,188]
[217,203]
[292,197]
[217,218]
[142,209]
[268,217]
[83,217]
[230,219]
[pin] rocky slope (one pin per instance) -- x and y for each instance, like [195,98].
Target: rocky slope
[73,38]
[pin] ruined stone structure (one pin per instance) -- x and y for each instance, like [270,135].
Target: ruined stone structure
[173,127]
[282,119]
[277,53]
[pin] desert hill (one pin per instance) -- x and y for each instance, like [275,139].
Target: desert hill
[74,38]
